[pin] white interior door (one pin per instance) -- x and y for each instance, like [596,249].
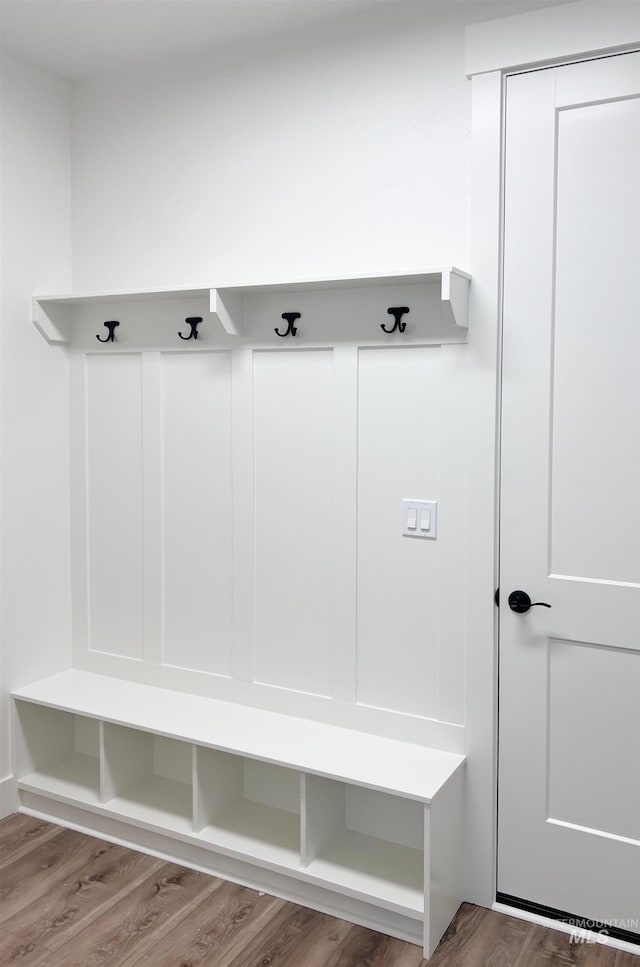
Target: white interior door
[569,769]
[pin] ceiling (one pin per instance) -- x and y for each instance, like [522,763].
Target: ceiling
[79,38]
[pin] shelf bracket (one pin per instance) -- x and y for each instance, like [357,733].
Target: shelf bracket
[455,298]
[228,308]
[52,320]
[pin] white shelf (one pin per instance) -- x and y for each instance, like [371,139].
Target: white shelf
[363,826]
[235,310]
[365,867]
[58,753]
[368,843]
[322,283]
[157,802]
[148,778]
[255,830]
[248,807]
[54,315]
[401,768]
[133,295]
[75,778]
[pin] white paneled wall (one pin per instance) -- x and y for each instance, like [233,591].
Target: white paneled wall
[196,483]
[293,471]
[398,456]
[115,562]
[238,522]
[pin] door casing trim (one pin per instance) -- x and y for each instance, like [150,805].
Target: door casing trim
[552,36]
[485,340]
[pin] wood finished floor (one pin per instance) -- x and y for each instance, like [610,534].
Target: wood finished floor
[69,900]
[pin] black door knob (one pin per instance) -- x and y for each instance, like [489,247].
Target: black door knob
[520,602]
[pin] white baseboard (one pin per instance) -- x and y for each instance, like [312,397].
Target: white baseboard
[581,936]
[8,796]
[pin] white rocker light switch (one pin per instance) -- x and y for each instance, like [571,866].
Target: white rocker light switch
[420,518]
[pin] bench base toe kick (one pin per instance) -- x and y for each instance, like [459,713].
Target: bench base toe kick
[376,840]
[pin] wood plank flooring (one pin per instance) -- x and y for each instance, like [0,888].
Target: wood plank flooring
[69,900]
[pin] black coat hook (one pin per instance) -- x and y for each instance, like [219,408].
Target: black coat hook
[111,325]
[397,312]
[291,329]
[192,321]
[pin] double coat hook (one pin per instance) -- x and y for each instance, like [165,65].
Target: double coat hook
[290,318]
[397,312]
[111,325]
[192,321]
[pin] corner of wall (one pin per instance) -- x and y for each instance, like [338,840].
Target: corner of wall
[35,608]
[8,796]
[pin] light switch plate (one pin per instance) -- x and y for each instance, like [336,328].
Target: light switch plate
[426,518]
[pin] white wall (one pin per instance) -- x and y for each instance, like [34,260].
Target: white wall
[342,151]
[35,583]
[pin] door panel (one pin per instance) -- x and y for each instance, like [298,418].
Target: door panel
[569,799]
[596,345]
[584,729]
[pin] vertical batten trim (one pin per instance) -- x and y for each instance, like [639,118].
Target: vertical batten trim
[152,506]
[451,496]
[196,805]
[102,792]
[243,514]
[426,938]
[345,515]
[79,474]
[305,858]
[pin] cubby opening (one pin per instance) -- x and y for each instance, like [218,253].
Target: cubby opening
[58,752]
[148,778]
[249,807]
[369,843]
